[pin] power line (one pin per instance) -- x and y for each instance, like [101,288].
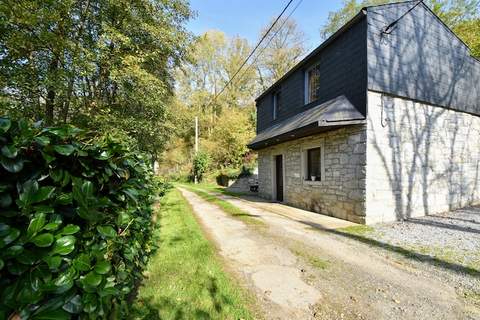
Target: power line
[253,51]
[271,38]
[387,28]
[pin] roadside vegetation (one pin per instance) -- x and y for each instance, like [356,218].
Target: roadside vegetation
[185,279]
[75,222]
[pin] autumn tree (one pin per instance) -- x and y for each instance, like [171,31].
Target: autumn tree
[226,121]
[285,46]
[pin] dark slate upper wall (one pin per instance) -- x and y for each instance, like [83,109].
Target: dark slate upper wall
[421,59]
[343,71]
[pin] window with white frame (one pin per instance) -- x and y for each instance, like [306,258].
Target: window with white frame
[312,84]
[276,103]
[313,163]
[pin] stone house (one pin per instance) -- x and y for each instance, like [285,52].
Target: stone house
[381,122]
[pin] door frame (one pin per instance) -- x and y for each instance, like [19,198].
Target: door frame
[274,175]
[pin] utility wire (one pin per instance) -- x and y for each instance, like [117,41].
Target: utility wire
[387,28]
[270,40]
[251,53]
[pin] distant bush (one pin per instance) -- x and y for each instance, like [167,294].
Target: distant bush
[222,177]
[75,222]
[200,165]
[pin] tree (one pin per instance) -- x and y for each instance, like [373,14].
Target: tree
[226,122]
[460,15]
[102,64]
[286,46]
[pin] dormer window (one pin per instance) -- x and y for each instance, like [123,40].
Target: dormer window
[276,103]
[312,84]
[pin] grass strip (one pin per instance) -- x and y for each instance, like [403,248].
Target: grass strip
[185,280]
[224,205]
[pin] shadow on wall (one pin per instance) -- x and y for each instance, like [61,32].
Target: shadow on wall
[406,139]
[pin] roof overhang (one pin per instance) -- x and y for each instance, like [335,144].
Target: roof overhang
[331,115]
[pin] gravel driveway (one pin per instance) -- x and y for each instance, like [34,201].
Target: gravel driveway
[457,230]
[361,274]
[451,239]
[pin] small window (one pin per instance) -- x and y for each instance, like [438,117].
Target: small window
[312,84]
[314,164]
[276,104]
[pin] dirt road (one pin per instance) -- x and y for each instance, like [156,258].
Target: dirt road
[299,272]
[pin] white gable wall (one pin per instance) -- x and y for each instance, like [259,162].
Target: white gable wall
[421,159]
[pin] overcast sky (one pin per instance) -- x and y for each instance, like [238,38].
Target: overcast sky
[245,18]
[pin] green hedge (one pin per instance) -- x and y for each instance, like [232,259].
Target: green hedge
[75,222]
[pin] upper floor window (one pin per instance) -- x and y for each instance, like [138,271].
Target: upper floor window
[312,84]
[276,104]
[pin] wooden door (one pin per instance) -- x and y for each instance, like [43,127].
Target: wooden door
[279,177]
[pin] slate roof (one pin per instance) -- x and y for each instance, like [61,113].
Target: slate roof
[329,115]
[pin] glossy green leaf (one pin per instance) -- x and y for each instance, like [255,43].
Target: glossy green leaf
[12,165]
[43,209]
[64,245]
[74,305]
[42,140]
[5,124]
[92,279]
[2,264]
[13,251]
[43,240]
[53,261]
[106,231]
[29,188]
[82,262]
[64,198]
[29,257]
[70,229]
[36,225]
[64,149]
[4,229]
[123,218]
[5,200]
[43,194]
[102,267]
[52,315]
[64,281]
[88,214]
[9,151]
[48,157]
[11,236]
[57,174]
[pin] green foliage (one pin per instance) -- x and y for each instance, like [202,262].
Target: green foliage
[97,64]
[75,222]
[200,165]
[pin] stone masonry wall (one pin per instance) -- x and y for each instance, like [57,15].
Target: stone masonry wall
[421,159]
[341,193]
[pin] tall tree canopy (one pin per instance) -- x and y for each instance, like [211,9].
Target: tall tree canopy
[226,121]
[95,63]
[462,16]
[286,47]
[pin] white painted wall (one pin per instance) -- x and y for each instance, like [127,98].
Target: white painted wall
[421,159]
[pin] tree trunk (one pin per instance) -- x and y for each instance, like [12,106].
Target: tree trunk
[50,101]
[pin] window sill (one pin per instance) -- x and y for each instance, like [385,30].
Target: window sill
[313,183]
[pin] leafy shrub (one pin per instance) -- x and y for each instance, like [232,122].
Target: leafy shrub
[200,165]
[75,222]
